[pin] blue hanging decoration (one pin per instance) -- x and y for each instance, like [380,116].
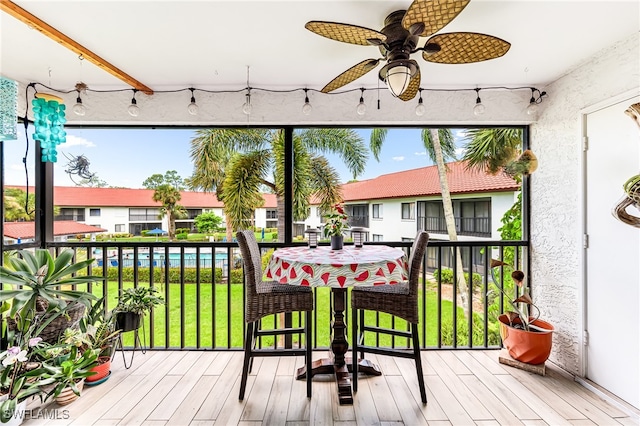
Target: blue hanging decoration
[49,120]
[8,109]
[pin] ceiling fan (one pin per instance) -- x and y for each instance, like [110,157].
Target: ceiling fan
[399,39]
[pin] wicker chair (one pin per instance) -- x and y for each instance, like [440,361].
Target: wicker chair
[268,298]
[400,300]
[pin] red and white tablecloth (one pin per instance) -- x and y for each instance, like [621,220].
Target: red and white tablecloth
[321,266]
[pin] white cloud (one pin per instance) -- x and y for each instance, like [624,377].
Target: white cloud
[460,152]
[77,141]
[400,158]
[420,153]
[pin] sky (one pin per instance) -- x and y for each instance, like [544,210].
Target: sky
[126,157]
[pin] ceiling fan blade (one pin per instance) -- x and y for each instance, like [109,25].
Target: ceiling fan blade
[434,14]
[412,90]
[464,48]
[345,32]
[351,74]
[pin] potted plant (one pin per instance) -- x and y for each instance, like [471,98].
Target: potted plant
[526,337]
[133,303]
[39,289]
[64,382]
[335,226]
[19,379]
[100,329]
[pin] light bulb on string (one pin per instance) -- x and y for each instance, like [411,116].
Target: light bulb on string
[478,109]
[79,108]
[246,107]
[134,109]
[193,108]
[361,109]
[532,108]
[420,108]
[306,108]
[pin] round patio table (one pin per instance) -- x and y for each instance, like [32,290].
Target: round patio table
[338,269]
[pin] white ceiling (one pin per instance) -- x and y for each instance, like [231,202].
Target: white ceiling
[170,45]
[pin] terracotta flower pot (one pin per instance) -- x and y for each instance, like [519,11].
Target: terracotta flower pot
[102,369]
[531,347]
[67,396]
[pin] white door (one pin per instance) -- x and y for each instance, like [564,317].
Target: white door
[612,357]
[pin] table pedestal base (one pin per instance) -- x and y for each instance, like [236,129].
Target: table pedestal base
[342,372]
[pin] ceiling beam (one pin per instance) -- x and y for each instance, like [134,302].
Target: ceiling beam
[46,29]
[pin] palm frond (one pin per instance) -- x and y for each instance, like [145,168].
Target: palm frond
[346,143]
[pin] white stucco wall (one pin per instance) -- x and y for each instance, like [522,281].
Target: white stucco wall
[555,205]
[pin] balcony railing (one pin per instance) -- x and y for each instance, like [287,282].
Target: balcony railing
[469,226]
[202,284]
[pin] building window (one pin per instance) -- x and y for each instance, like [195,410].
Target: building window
[408,211]
[472,217]
[358,214]
[376,237]
[143,214]
[70,214]
[94,212]
[120,228]
[376,211]
[272,214]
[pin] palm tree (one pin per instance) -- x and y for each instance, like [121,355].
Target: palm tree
[15,205]
[440,146]
[169,197]
[239,164]
[490,149]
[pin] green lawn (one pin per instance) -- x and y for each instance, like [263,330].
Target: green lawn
[183,303]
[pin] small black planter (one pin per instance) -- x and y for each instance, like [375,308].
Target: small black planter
[127,321]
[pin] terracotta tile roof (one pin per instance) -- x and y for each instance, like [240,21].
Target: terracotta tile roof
[425,182]
[26,230]
[78,196]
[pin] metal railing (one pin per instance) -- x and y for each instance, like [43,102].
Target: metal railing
[202,284]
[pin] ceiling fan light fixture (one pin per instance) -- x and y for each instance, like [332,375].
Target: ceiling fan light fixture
[397,75]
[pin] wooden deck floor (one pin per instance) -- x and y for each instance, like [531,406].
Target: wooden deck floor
[201,388]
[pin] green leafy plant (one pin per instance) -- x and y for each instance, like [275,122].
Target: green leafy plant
[336,221]
[138,300]
[100,329]
[40,281]
[17,379]
[68,373]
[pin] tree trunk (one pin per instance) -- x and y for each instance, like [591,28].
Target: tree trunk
[280,213]
[449,218]
[172,225]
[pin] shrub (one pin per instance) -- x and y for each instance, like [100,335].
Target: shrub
[447,277]
[159,273]
[183,230]
[182,236]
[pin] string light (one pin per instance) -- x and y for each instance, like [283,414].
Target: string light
[532,108]
[361,109]
[134,109]
[420,108]
[79,108]
[306,108]
[247,107]
[478,109]
[193,108]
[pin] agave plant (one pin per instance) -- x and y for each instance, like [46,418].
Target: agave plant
[37,277]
